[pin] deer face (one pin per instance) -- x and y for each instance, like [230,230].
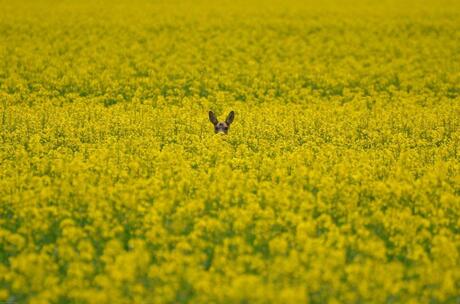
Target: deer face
[221,127]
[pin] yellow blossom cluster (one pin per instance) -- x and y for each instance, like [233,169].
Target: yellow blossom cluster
[338,181]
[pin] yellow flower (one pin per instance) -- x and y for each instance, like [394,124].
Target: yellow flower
[336,183]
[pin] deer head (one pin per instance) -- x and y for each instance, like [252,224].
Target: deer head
[221,127]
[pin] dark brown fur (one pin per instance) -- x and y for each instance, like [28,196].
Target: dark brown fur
[221,126]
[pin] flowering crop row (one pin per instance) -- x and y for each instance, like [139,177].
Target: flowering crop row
[338,182]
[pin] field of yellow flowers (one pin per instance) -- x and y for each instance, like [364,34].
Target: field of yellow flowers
[338,182]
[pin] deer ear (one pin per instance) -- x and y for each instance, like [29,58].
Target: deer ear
[230,118]
[213,118]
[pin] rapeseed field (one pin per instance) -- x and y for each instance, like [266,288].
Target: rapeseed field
[338,180]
